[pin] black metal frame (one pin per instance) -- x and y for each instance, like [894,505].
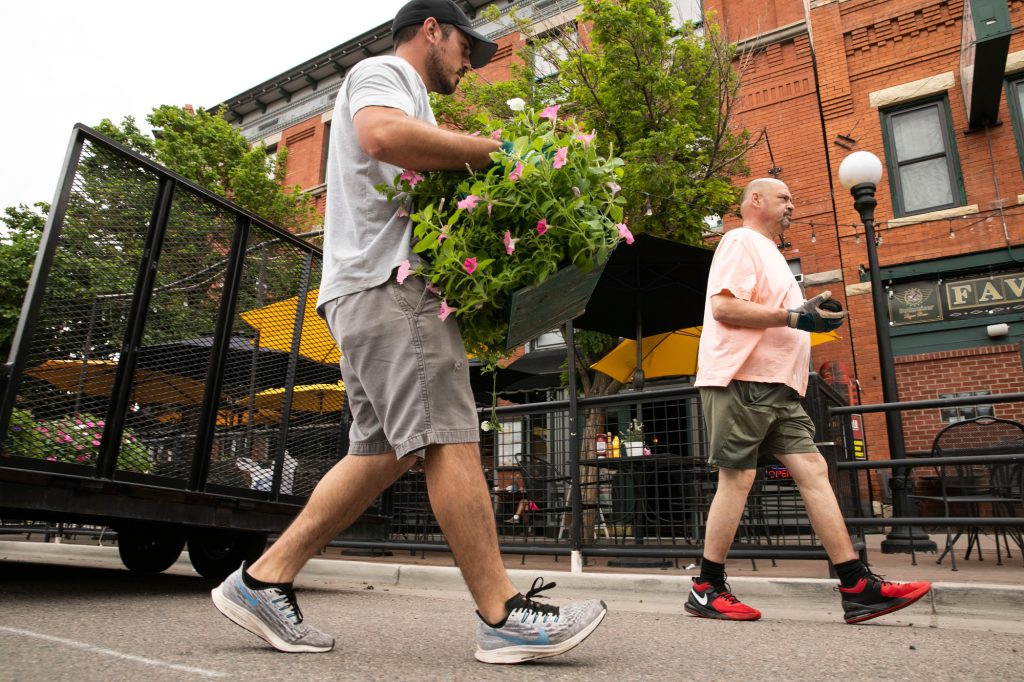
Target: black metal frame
[121,494]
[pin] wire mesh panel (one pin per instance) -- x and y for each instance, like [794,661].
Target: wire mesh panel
[141,265]
[285,389]
[61,408]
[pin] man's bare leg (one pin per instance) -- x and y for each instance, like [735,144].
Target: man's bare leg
[462,504]
[726,511]
[810,472]
[340,497]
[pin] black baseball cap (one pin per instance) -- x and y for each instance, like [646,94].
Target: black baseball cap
[414,13]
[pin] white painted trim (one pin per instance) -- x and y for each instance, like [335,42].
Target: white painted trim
[814,279]
[555,21]
[327,115]
[944,214]
[1014,62]
[272,140]
[777,35]
[858,289]
[1020,199]
[906,92]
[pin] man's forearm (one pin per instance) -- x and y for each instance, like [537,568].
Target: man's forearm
[409,143]
[736,311]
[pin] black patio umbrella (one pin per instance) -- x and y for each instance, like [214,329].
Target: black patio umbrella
[509,382]
[652,286]
[248,367]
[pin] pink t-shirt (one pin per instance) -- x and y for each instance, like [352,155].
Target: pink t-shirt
[750,266]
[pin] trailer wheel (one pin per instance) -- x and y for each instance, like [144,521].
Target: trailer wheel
[149,549]
[215,554]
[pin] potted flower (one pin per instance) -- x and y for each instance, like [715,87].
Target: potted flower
[633,439]
[549,201]
[74,439]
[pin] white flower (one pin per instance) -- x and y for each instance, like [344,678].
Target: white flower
[486,425]
[516,104]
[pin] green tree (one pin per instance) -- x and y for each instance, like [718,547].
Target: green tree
[205,148]
[103,234]
[19,241]
[661,95]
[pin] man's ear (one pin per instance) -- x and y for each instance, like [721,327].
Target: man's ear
[432,30]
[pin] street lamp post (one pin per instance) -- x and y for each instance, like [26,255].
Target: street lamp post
[860,172]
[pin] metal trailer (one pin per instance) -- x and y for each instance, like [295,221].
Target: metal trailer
[169,377]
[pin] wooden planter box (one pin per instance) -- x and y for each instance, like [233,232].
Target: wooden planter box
[563,296]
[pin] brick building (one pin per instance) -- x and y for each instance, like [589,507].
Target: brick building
[829,77]
[820,80]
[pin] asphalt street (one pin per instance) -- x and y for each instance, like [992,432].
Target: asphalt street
[82,618]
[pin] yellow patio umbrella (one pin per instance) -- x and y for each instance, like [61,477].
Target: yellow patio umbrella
[665,355]
[276,325]
[96,378]
[305,398]
[229,419]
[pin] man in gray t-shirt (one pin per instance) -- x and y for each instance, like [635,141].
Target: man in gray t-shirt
[404,365]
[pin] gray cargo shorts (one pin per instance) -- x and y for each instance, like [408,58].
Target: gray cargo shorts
[405,371]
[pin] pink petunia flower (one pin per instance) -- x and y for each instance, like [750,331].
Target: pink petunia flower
[96,442]
[403,271]
[516,173]
[469,203]
[624,232]
[496,135]
[551,112]
[470,265]
[542,226]
[445,310]
[585,138]
[510,243]
[403,212]
[444,234]
[411,176]
[613,187]
[560,156]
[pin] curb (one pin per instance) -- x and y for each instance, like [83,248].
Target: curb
[950,598]
[946,597]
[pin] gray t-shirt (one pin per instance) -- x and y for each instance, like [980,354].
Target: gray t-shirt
[365,238]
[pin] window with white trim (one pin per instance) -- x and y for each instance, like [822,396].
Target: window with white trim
[923,164]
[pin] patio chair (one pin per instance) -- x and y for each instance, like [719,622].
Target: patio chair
[970,488]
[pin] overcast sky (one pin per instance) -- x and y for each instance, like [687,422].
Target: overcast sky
[68,61]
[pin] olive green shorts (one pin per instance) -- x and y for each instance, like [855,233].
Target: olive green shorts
[749,422]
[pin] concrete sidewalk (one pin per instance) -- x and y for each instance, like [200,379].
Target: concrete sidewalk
[979,588]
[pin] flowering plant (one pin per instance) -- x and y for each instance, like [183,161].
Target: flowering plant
[634,432]
[548,200]
[74,439]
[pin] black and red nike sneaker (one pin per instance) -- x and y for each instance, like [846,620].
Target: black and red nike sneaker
[705,601]
[872,597]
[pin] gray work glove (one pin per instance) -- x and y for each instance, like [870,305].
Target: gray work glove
[819,314]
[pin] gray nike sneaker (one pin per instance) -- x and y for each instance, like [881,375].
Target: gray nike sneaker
[272,614]
[532,630]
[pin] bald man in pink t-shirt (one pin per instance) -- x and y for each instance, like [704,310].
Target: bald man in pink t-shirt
[753,364]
